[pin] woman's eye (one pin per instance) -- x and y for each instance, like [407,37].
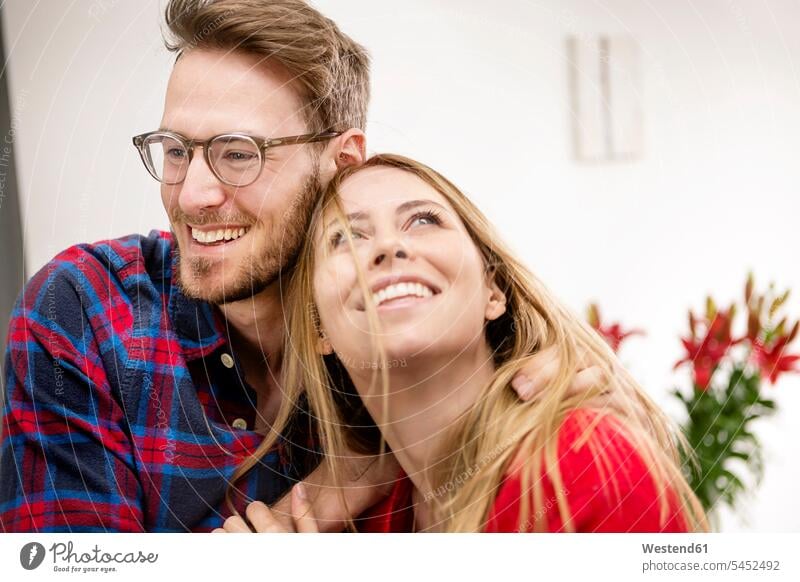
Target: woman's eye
[336,239]
[339,237]
[425,219]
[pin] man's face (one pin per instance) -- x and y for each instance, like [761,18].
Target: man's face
[260,225]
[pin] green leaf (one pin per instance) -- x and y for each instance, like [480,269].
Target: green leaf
[767,403]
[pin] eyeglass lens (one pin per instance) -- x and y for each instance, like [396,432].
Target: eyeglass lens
[236,160]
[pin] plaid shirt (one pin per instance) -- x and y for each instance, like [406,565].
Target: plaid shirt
[123,405]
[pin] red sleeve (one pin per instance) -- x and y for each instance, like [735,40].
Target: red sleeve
[618,496]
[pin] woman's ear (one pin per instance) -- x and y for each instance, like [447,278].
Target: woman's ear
[324,346]
[496,304]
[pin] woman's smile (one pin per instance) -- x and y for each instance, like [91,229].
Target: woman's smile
[400,291]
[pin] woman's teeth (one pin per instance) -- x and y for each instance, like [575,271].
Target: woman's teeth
[212,236]
[401,290]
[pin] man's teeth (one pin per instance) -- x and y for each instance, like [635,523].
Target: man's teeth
[401,290]
[212,236]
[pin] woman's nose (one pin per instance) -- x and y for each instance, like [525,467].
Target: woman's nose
[389,245]
[399,253]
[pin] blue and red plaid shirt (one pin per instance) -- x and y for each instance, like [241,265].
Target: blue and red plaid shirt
[123,401]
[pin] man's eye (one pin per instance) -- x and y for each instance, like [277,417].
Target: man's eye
[176,153]
[239,156]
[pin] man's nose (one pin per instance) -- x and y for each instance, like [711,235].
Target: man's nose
[200,189]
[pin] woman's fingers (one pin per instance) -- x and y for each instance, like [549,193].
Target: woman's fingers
[235,524]
[263,519]
[304,519]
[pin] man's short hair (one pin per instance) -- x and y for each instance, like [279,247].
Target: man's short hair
[330,70]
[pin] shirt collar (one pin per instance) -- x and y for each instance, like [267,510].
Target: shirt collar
[198,324]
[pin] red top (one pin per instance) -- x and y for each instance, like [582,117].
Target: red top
[596,502]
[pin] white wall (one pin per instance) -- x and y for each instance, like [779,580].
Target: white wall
[479,91]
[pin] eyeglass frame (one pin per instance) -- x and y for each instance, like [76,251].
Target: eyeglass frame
[262,144]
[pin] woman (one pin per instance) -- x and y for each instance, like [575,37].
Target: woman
[404,300]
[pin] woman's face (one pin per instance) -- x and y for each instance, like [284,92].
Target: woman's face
[426,277]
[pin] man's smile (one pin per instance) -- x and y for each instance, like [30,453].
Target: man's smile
[217,235]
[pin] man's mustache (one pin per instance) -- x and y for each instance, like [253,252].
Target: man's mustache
[177,216]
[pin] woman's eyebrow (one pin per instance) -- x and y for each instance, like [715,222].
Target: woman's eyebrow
[352,217]
[406,206]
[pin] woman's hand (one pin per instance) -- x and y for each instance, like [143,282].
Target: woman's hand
[264,521]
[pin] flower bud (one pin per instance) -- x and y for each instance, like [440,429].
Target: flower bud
[711,309]
[793,333]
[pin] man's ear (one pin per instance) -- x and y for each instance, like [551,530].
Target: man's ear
[496,305]
[350,148]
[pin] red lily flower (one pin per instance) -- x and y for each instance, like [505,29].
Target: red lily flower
[613,334]
[706,354]
[772,361]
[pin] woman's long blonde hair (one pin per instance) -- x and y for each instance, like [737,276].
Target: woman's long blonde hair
[484,441]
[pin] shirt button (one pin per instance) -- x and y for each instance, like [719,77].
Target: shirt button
[227,360]
[240,423]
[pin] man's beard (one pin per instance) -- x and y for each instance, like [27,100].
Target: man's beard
[255,273]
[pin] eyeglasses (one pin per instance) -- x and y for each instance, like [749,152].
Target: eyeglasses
[235,158]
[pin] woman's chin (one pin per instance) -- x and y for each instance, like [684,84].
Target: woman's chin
[416,350]
[398,355]
[409,344]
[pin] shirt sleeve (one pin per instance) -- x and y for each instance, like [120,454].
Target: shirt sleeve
[617,495]
[66,462]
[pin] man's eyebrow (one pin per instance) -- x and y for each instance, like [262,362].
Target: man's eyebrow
[170,130]
[244,131]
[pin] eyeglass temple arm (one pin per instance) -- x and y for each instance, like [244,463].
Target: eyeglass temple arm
[300,139]
[138,140]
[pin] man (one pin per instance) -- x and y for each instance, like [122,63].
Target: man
[142,371]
